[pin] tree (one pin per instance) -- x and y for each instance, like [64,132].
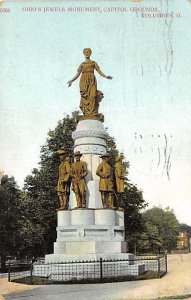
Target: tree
[40,190]
[40,194]
[38,215]
[133,204]
[161,229]
[149,239]
[10,199]
[185,228]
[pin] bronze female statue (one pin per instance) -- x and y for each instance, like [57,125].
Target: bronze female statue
[90,96]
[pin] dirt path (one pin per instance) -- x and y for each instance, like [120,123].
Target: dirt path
[11,287]
[176,282]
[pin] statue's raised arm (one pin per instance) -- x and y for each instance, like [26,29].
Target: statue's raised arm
[90,96]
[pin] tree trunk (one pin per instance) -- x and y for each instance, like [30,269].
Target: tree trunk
[3,263]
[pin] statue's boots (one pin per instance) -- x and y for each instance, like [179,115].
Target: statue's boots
[103,201]
[83,202]
[120,201]
[110,201]
[62,202]
[65,202]
[79,205]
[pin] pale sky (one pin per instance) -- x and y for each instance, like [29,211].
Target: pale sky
[147,105]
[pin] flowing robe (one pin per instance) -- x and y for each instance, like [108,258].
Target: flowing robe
[88,88]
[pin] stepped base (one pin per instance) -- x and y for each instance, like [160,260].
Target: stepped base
[68,268]
[91,247]
[90,233]
[61,258]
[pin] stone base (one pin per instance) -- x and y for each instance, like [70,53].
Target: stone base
[85,233]
[82,271]
[91,247]
[78,217]
[89,234]
[90,231]
[61,258]
[98,117]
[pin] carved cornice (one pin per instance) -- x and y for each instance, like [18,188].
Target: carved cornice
[89,133]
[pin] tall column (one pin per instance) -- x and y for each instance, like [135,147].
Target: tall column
[90,139]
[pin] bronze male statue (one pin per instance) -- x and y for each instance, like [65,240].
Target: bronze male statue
[104,171]
[119,179]
[78,174]
[64,180]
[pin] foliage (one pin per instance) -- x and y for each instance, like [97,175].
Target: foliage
[160,230]
[133,203]
[150,240]
[40,189]
[10,197]
[185,228]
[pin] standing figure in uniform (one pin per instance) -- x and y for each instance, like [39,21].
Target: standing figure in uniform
[64,180]
[104,171]
[78,173]
[119,179]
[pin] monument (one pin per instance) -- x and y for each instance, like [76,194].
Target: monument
[89,226]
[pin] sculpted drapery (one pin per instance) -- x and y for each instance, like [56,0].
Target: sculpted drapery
[90,95]
[88,88]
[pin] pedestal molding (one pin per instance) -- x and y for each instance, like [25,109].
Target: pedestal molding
[89,133]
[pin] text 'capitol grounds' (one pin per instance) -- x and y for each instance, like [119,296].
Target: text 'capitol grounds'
[89,9]
[143,12]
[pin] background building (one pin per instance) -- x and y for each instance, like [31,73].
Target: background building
[183,241]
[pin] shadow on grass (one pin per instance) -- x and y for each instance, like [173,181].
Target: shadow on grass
[47,280]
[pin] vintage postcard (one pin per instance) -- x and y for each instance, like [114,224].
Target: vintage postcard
[144,45]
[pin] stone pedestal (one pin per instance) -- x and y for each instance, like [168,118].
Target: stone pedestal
[93,232]
[89,234]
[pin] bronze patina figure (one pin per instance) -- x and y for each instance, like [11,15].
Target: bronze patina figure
[90,96]
[104,171]
[78,173]
[64,180]
[119,179]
